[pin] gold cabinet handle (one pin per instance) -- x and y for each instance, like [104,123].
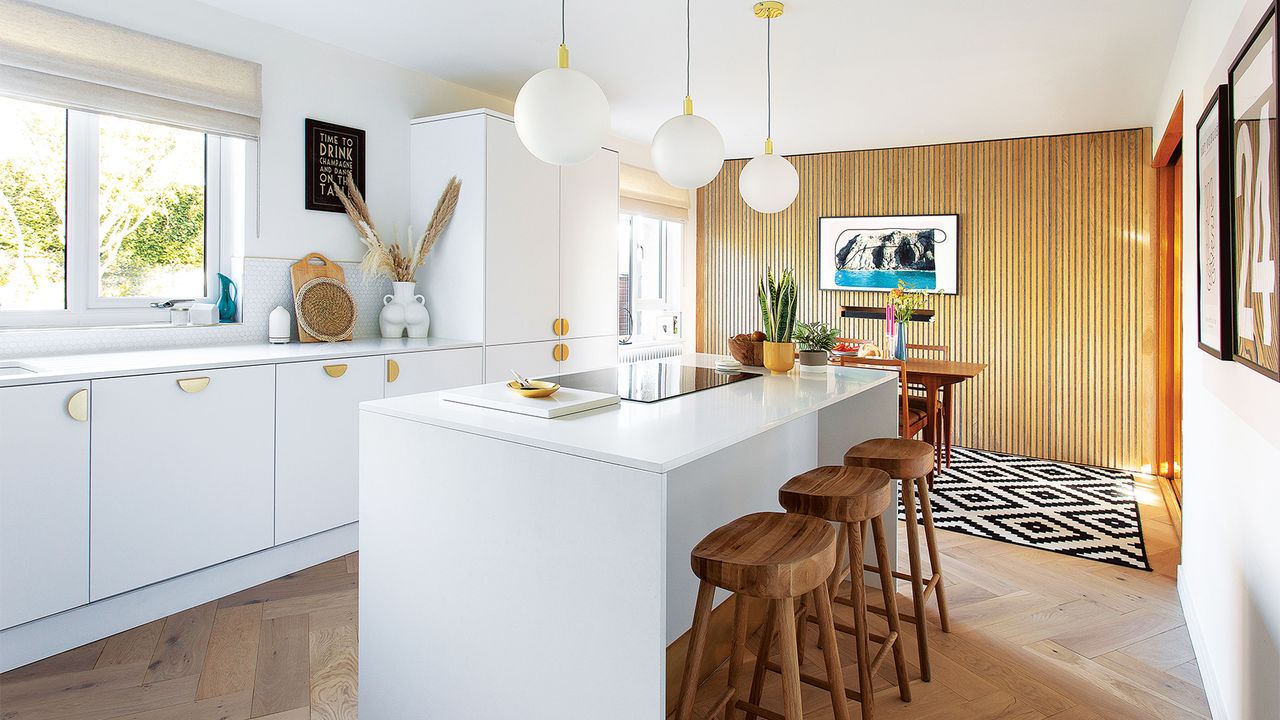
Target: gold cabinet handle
[335,371]
[560,327]
[393,370]
[560,352]
[193,385]
[78,405]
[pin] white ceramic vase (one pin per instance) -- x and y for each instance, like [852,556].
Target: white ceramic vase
[403,311]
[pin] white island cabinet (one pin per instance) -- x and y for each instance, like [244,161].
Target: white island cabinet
[540,568]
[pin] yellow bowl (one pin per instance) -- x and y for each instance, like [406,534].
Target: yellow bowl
[541,388]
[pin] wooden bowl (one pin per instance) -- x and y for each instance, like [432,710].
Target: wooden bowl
[747,352]
[541,389]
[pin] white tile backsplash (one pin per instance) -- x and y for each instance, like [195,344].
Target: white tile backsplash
[265,285]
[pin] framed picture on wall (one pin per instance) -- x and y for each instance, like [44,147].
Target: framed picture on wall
[876,252]
[332,153]
[1255,267]
[1213,228]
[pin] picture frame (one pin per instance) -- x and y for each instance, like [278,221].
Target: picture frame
[1215,333]
[1255,262]
[332,151]
[872,253]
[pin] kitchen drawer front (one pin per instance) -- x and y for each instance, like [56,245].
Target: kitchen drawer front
[317,442]
[593,353]
[44,500]
[409,373]
[181,473]
[536,359]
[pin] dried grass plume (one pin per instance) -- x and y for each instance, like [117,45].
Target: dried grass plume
[389,258]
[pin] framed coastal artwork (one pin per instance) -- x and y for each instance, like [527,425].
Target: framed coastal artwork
[1255,267]
[1213,211]
[875,253]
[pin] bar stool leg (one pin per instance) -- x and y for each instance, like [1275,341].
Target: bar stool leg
[693,659]
[858,597]
[917,581]
[735,657]
[762,657]
[935,558]
[802,623]
[890,591]
[835,674]
[792,707]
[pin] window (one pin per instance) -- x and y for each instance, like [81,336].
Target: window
[100,216]
[649,255]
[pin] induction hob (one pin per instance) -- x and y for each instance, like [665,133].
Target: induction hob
[651,381]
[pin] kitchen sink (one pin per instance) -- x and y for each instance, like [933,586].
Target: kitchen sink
[10,369]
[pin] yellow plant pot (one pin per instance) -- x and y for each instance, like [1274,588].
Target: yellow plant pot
[779,357]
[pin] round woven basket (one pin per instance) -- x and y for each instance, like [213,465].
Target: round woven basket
[326,310]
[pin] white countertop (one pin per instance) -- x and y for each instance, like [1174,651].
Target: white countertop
[655,437]
[60,368]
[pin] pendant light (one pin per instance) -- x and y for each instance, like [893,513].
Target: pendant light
[562,116]
[769,183]
[687,151]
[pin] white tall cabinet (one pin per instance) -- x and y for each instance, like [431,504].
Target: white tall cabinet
[529,265]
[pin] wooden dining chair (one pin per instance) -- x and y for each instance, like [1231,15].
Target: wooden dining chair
[943,422]
[911,421]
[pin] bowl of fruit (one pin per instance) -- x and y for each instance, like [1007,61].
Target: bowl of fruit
[748,348]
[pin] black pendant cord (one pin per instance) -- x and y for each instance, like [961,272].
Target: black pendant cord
[768,77]
[562,2]
[688,44]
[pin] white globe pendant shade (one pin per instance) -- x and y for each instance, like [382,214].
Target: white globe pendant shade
[769,183]
[687,151]
[562,116]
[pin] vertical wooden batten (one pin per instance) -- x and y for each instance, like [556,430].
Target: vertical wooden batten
[1057,279]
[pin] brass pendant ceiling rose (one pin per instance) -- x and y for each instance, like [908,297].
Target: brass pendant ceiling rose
[768,10]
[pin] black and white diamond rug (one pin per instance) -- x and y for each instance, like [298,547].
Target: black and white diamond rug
[1088,512]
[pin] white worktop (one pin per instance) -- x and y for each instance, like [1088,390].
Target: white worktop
[654,437]
[85,366]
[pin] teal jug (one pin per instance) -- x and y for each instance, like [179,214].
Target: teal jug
[227,300]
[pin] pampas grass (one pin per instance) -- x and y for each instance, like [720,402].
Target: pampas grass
[389,258]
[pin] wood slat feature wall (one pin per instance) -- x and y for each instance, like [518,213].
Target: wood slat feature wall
[1057,279]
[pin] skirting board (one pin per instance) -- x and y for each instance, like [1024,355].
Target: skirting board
[49,636]
[1212,690]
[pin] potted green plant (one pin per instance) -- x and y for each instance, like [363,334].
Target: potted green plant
[816,340]
[777,298]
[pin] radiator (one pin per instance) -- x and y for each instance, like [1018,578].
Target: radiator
[629,354]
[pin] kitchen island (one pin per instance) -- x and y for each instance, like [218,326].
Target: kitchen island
[513,566]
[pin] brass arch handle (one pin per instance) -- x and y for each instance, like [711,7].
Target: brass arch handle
[393,370]
[560,352]
[335,371]
[560,327]
[193,385]
[78,405]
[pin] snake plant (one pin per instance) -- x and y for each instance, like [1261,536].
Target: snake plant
[778,305]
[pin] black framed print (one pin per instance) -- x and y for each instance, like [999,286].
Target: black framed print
[332,152]
[874,253]
[1213,228]
[1255,208]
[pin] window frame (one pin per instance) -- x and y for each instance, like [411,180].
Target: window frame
[666,303]
[84,306]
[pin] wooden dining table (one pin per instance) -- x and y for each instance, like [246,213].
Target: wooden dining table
[938,377]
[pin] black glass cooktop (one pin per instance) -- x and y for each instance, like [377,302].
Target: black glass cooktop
[650,381]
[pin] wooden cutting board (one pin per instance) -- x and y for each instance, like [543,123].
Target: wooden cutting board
[312,266]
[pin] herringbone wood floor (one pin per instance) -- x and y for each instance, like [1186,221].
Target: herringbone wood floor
[1035,635]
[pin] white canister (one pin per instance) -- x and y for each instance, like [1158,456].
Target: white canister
[278,326]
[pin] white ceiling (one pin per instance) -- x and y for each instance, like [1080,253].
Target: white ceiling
[847,74]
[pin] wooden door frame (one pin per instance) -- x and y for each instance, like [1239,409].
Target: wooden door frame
[1168,166]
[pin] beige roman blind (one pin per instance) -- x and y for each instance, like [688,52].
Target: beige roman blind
[644,192]
[73,61]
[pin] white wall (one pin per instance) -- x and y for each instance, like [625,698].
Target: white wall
[1230,574]
[304,78]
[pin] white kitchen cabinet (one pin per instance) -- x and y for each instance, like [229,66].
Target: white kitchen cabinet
[44,500]
[589,246]
[181,468]
[529,359]
[317,442]
[410,373]
[589,353]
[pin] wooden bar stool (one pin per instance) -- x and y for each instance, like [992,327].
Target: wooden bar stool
[854,496]
[779,557]
[911,462]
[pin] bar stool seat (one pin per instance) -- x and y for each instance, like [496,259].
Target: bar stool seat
[778,557]
[901,458]
[839,494]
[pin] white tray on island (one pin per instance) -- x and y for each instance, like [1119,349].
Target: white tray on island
[497,396]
